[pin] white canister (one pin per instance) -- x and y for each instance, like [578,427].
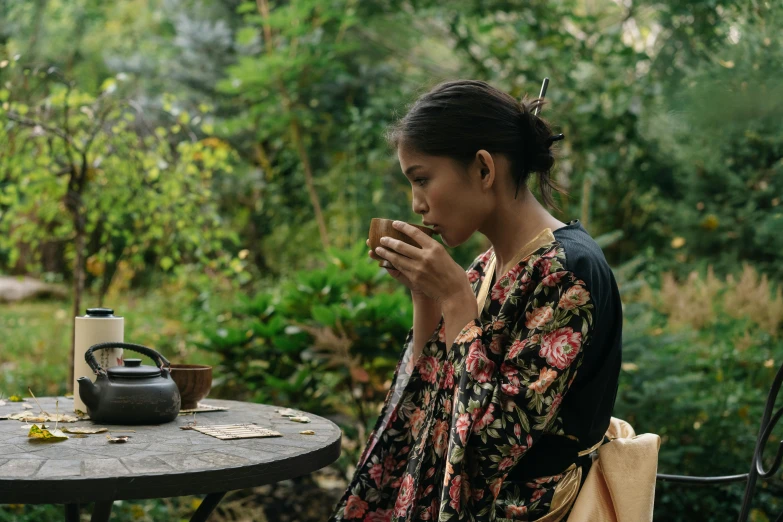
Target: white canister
[100,325]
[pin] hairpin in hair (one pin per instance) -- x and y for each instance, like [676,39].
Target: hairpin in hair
[544,85]
[556,137]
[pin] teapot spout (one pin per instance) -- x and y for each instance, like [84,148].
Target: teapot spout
[88,392]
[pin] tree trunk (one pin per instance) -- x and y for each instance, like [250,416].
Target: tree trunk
[78,278]
[301,150]
[587,191]
[308,172]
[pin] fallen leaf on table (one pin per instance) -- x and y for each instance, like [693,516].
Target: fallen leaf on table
[307,432]
[288,412]
[2,403]
[44,435]
[42,417]
[85,430]
[15,398]
[27,406]
[79,436]
[117,440]
[302,419]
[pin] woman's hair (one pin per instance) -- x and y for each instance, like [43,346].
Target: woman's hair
[456,119]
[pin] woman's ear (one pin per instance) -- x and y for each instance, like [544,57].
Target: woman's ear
[485,167]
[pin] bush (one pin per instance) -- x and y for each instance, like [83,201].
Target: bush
[697,371]
[326,341]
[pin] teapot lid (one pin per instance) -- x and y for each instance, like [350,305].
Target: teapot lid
[133,369]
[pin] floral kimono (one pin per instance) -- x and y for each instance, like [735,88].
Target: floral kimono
[455,437]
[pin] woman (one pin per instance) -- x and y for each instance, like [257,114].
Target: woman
[509,374]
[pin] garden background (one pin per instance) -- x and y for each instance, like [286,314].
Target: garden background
[209,170]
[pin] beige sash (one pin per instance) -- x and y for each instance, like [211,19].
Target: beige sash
[544,237]
[620,486]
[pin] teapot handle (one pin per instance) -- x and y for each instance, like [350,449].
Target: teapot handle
[149,352]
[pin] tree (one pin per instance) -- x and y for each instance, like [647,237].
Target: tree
[131,192]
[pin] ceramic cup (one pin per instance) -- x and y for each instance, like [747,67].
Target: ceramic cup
[380,227]
[194,382]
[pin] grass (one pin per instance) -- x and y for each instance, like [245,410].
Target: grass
[35,338]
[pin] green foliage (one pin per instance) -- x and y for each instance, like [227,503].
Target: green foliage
[703,392]
[326,340]
[146,200]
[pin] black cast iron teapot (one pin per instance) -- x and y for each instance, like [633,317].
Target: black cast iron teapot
[130,394]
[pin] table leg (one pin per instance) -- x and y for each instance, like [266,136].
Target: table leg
[101,511]
[207,506]
[71,512]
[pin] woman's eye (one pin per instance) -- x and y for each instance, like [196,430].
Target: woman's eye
[420,181]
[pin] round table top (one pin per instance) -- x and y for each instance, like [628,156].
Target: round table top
[157,461]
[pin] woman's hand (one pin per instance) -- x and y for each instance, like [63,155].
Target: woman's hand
[429,270]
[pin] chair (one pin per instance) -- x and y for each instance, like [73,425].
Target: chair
[768,422]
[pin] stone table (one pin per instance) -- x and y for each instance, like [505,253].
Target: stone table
[157,461]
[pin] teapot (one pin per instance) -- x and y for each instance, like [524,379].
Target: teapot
[130,394]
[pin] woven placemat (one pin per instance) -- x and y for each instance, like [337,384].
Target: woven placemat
[201,408]
[236,431]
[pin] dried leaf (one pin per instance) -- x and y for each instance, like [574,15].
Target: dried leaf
[2,403]
[27,406]
[85,430]
[302,419]
[44,435]
[307,432]
[117,440]
[288,412]
[42,417]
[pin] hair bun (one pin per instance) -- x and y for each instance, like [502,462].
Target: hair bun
[542,162]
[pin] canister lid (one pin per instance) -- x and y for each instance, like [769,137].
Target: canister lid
[133,369]
[100,312]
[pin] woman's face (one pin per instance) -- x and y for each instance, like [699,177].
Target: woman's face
[444,194]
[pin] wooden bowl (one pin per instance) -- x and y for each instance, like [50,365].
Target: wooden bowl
[383,227]
[194,382]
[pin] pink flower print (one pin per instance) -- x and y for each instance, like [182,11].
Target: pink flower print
[574,297]
[468,334]
[404,497]
[478,364]
[544,266]
[376,473]
[417,419]
[538,317]
[494,486]
[462,427]
[454,491]
[501,290]
[517,450]
[440,437]
[485,420]
[447,381]
[560,347]
[516,348]
[428,369]
[537,494]
[355,507]
[553,279]
[496,345]
[558,398]
[545,378]
[515,511]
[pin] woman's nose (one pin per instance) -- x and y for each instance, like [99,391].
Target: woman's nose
[419,205]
